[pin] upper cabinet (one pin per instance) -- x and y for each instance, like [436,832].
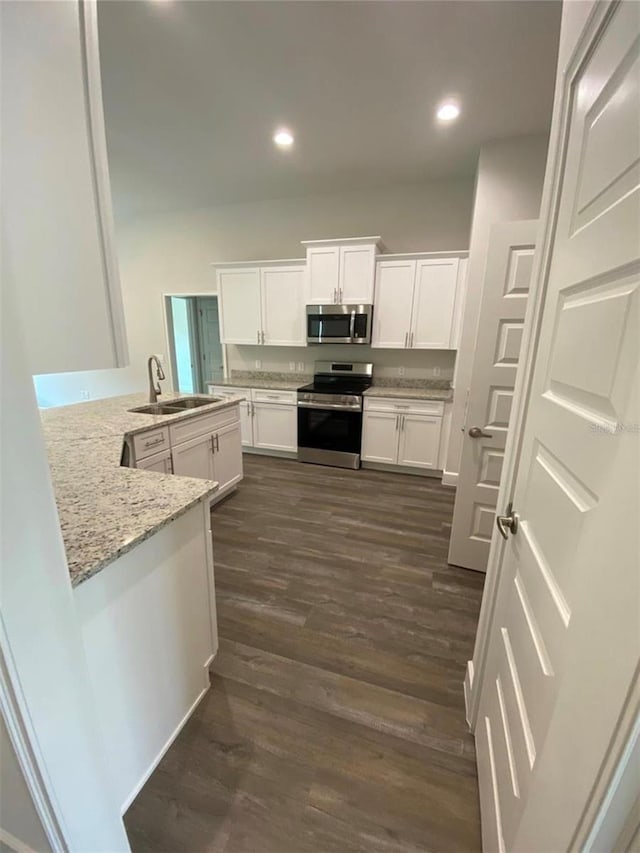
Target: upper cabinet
[416,301]
[58,236]
[262,304]
[341,271]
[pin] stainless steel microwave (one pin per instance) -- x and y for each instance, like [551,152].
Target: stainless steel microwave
[339,324]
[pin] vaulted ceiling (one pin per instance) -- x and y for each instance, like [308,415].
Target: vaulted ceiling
[193,92]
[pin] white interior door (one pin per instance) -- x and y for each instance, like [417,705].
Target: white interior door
[211,365]
[433,303]
[504,302]
[557,685]
[283,315]
[240,309]
[392,304]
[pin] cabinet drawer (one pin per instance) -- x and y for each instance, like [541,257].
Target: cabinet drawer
[203,424]
[150,442]
[228,391]
[404,405]
[266,396]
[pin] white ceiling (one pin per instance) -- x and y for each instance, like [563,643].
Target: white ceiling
[194,90]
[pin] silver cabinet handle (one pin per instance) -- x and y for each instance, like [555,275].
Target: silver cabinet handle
[478,432]
[406,338]
[402,405]
[248,409]
[213,446]
[411,339]
[258,336]
[402,424]
[217,443]
[154,442]
[507,523]
[335,294]
[397,422]
[262,334]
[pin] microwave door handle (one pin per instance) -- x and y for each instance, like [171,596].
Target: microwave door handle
[352,326]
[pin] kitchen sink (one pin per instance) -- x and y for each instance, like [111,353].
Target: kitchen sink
[157,409]
[192,402]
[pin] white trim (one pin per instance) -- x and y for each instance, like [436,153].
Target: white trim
[271,263]
[14,843]
[535,304]
[167,336]
[347,241]
[449,478]
[468,687]
[433,473]
[88,13]
[24,744]
[413,256]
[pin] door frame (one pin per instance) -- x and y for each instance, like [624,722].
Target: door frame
[168,331]
[597,807]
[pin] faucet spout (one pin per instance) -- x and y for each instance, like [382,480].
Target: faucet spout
[154,389]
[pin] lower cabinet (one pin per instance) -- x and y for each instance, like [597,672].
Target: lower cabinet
[227,456]
[402,432]
[160,462]
[194,458]
[275,426]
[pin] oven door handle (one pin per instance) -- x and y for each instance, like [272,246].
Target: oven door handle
[338,406]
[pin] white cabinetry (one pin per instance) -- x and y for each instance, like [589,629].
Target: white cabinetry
[227,456]
[58,238]
[415,302]
[402,432]
[341,271]
[194,458]
[262,304]
[269,418]
[160,462]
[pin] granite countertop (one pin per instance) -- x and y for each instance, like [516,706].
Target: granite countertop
[104,509]
[414,389]
[263,379]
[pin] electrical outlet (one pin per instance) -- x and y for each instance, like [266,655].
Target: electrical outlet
[436,371]
[85,395]
[401,371]
[258,364]
[292,366]
[301,367]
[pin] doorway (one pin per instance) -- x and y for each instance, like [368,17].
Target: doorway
[193,333]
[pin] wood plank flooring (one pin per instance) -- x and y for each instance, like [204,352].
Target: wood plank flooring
[335,720]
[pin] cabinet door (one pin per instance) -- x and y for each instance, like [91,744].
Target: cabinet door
[419,441]
[433,303]
[275,426]
[357,274]
[380,437]
[227,458]
[283,310]
[323,271]
[246,422]
[392,304]
[160,462]
[58,234]
[240,316]
[194,458]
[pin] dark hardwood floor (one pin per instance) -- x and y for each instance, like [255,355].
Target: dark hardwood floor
[335,720]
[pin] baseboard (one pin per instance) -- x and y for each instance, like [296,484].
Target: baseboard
[174,734]
[449,478]
[282,454]
[402,469]
[468,687]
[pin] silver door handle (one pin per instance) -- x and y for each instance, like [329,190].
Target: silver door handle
[508,523]
[478,432]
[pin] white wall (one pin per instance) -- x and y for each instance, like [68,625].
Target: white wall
[508,187]
[172,253]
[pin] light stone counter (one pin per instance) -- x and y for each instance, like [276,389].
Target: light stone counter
[411,389]
[105,510]
[265,379]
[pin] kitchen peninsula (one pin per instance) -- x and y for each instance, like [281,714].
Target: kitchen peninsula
[139,551]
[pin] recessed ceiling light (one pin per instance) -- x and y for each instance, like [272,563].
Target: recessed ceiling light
[283,138]
[448,111]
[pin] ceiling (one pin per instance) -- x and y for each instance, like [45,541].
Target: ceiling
[193,92]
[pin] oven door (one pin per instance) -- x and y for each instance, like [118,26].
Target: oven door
[335,430]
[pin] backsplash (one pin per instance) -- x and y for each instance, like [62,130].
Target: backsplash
[388,363]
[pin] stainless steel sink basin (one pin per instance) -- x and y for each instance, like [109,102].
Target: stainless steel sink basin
[192,402]
[157,409]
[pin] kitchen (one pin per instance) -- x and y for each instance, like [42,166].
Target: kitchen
[246,565]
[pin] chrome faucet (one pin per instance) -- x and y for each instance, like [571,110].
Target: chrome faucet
[154,389]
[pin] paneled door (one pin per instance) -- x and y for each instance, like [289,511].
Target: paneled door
[240,308]
[504,302]
[434,300]
[357,272]
[211,363]
[559,686]
[283,313]
[393,300]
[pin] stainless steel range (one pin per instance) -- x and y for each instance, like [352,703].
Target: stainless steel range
[330,414]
